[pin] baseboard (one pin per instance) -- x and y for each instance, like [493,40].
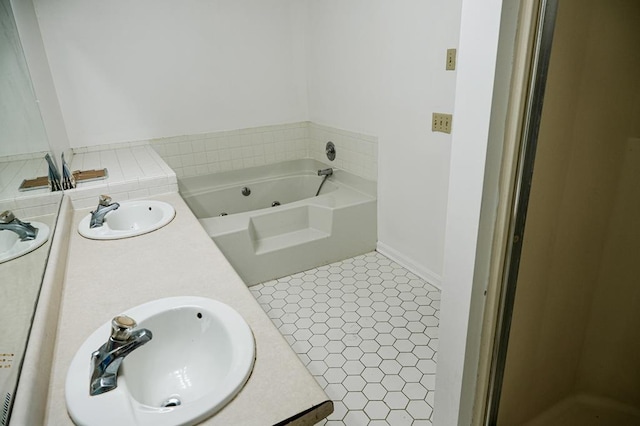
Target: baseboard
[422,272]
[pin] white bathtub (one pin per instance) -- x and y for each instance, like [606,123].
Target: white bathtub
[264,242]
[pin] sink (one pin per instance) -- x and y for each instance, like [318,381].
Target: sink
[11,246]
[132,218]
[201,355]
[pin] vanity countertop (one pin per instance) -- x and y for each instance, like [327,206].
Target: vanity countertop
[104,278]
[19,288]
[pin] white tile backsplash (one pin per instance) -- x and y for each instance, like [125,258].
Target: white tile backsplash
[135,171]
[13,170]
[193,155]
[355,152]
[144,168]
[28,205]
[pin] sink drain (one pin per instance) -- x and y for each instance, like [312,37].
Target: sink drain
[171,402]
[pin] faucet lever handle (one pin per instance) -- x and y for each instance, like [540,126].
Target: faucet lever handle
[7,216]
[121,327]
[104,200]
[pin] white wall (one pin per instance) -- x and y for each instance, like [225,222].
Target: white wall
[22,129]
[468,246]
[49,107]
[377,67]
[128,71]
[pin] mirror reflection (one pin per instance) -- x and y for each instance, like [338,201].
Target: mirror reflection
[25,233]
[22,129]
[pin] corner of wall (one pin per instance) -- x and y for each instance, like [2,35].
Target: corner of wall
[479,34]
[410,264]
[355,152]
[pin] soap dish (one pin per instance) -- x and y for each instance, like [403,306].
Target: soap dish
[31,184]
[90,175]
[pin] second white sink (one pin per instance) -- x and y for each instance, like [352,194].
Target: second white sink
[11,246]
[132,218]
[201,355]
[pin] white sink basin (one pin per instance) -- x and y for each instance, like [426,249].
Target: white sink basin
[130,219]
[11,246]
[201,355]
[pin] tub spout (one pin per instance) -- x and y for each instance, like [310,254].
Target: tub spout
[326,173]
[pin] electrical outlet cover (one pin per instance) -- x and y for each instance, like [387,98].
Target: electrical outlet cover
[441,122]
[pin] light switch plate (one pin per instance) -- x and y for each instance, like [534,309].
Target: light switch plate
[451,59]
[441,122]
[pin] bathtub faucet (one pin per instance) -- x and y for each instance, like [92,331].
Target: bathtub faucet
[325,172]
[104,206]
[105,362]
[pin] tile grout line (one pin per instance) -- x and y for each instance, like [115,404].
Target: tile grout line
[367,330]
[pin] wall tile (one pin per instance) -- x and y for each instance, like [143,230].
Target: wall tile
[242,148]
[135,170]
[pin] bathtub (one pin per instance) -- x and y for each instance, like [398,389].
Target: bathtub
[280,227]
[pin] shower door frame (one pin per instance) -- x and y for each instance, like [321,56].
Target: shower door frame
[529,75]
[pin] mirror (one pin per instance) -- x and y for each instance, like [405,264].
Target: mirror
[23,144]
[23,131]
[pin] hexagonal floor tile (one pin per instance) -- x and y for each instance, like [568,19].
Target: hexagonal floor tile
[367,330]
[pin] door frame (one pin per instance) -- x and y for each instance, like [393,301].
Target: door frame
[530,63]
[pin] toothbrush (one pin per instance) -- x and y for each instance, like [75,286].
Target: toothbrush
[68,181]
[54,175]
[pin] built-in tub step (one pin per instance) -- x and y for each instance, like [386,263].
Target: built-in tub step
[273,242]
[290,239]
[262,246]
[290,227]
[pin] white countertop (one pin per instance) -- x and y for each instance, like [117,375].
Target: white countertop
[104,278]
[20,280]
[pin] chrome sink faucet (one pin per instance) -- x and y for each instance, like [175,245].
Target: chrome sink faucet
[9,222]
[104,206]
[105,362]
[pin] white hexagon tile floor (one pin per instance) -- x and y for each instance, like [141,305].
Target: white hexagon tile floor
[367,329]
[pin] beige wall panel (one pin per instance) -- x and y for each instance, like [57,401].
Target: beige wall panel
[573,218]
